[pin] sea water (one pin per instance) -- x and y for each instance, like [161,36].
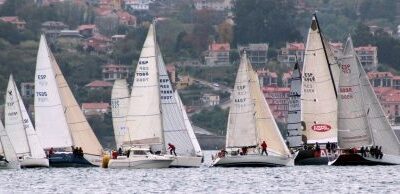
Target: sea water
[298,179]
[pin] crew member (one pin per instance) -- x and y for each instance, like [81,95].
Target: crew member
[171,149]
[264,148]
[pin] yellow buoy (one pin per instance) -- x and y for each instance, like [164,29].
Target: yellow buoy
[105,160]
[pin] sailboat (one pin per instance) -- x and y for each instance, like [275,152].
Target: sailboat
[175,123]
[251,122]
[8,157]
[20,130]
[294,112]
[361,119]
[144,137]
[60,123]
[318,99]
[119,109]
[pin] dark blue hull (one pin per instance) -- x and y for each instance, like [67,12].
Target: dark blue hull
[307,157]
[68,160]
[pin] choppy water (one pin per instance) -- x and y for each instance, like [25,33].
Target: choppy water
[299,179]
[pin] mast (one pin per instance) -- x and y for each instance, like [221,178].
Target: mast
[326,55]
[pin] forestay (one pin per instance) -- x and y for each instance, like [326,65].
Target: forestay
[294,112]
[13,121]
[267,129]
[318,103]
[119,108]
[241,128]
[81,132]
[50,122]
[353,128]
[174,127]
[144,115]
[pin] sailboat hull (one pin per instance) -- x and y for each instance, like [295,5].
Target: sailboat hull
[186,162]
[9,165]
[34,163]
[253,161]
[67,159]
[309,157]
[349,159]
[141,162]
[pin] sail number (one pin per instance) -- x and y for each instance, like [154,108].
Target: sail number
[309,77]
[114,103]
[143,62]
[346,68]
[41,93]
[41,77]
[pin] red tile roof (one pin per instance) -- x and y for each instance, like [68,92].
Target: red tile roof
[275,89]
[295,46]
[366,48]
[95,105]
[377,74]
[220,47]
[98,84]
[86,27]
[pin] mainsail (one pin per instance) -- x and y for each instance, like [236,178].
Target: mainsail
[267,129]
[294,112]
[6,147]
[81,132]
[19,124]
[241,128]
[144,120]
[14,122]
[50,122]
[353,130]
[173,123]
[119,108]
[318,93]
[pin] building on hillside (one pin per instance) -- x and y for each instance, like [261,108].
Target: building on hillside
[292,52]
[87,30]
[69,40]
[171,73]
[389,99]
[209,99]
[99,84]
[217,5]
[20,24]
[286,78]
[368,56]
[118,37]
[184,82]
[381,79]
[257,53]
[125,18]
[267,78]
[278,101]
[27,89]
[95,109]
[52,29]
[218,54]
[98,43]
[112,72]
[137,5]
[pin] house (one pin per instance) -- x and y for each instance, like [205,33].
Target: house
[368,56]
[52,29]
[27,89]
[20,24]
[98,84]
[117,37]
[292,52]
[137,5]
[184,82]
[95,109]
[217,5]
[69,39]
[87,30]
[267,78]
[98,43]
[112,72]
[257,53]
[278,101]
[124,18]
[389,99]
[209,99]
[217,54]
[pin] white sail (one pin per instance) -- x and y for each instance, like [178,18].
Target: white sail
[81,132]
[7,147]
[353,128]
[241,128]
[144,121]
[318,96]
[294,112]
[50,122]
[382,133]
[267,129]
[189,128]
[174,127]
[14,122]
[119,109]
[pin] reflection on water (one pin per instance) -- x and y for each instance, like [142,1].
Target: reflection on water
[316,179]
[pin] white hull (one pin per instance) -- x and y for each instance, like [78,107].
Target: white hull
[253,160]
[8,165]
[34,162]
[93,159]
[186,161]
[141,162]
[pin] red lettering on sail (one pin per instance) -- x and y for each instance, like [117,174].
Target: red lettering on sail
[321,127]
